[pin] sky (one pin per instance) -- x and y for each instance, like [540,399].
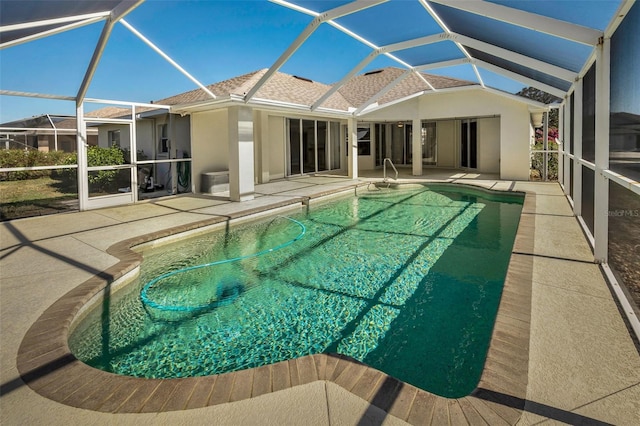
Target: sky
[215,40]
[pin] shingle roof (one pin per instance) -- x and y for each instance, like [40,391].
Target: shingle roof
[296,90]
[233,86]
[362,87]
[282,87]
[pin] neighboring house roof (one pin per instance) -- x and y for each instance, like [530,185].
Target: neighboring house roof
[61,122]
[110,112]
[68,124]
[42,121]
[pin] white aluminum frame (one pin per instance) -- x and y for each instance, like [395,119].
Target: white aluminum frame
[532,21]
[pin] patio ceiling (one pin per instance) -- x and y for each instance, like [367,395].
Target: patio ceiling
[539,43]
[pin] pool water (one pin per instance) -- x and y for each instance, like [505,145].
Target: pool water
[406,280]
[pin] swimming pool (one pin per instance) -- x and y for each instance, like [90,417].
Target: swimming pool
[405,280]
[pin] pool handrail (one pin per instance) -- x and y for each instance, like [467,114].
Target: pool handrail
[384,169]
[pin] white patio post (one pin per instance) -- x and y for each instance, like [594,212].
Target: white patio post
[352,148]
[577,149]
[601,190]
[561,146]
[241,179]
[545,146]
[568,179]
[416,142]
[81,157]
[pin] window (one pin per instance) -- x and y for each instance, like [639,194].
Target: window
[364,140]
[163,136]
[114,137]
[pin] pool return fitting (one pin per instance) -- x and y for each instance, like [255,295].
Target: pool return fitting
[225,293]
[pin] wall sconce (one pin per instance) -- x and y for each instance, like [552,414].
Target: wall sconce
[400,125]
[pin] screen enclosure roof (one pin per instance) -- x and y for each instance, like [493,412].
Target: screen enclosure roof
[545,44]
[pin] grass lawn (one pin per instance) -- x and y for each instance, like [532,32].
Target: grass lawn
[34,197]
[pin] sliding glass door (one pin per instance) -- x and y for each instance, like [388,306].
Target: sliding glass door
[469,144]
[429,144]
[313,146]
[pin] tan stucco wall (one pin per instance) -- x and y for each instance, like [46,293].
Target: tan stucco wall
[406,110]
[181,130]
[276,147]
[209,142]
[447,135]
[489,145]
[145,137]
[103,135]
[514,123]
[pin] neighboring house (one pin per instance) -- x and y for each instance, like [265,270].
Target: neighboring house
[294,126]
[45,132]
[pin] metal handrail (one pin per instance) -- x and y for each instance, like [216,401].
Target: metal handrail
[384,169]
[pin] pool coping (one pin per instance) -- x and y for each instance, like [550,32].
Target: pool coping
[47,366]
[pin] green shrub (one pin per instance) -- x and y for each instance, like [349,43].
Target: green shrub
[20,158]
[537,160]
[96,156]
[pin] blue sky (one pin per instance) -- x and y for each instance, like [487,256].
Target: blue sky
[212,40]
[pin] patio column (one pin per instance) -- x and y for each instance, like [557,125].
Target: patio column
[241,179]
[416,142]
[601,189]
[352,148]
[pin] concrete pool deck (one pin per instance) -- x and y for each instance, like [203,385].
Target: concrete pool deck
[582,365]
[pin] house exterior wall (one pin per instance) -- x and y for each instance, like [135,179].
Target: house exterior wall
[489,145]
[514,124]
[209,144]
[103,135]
[447,135]
[503,134]
[503,137]
[275,146]
[145,138]
[402,111]
[180,136]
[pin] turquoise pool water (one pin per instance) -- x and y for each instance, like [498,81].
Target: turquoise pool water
[406,280]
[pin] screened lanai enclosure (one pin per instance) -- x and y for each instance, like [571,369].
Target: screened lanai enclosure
[428,84]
